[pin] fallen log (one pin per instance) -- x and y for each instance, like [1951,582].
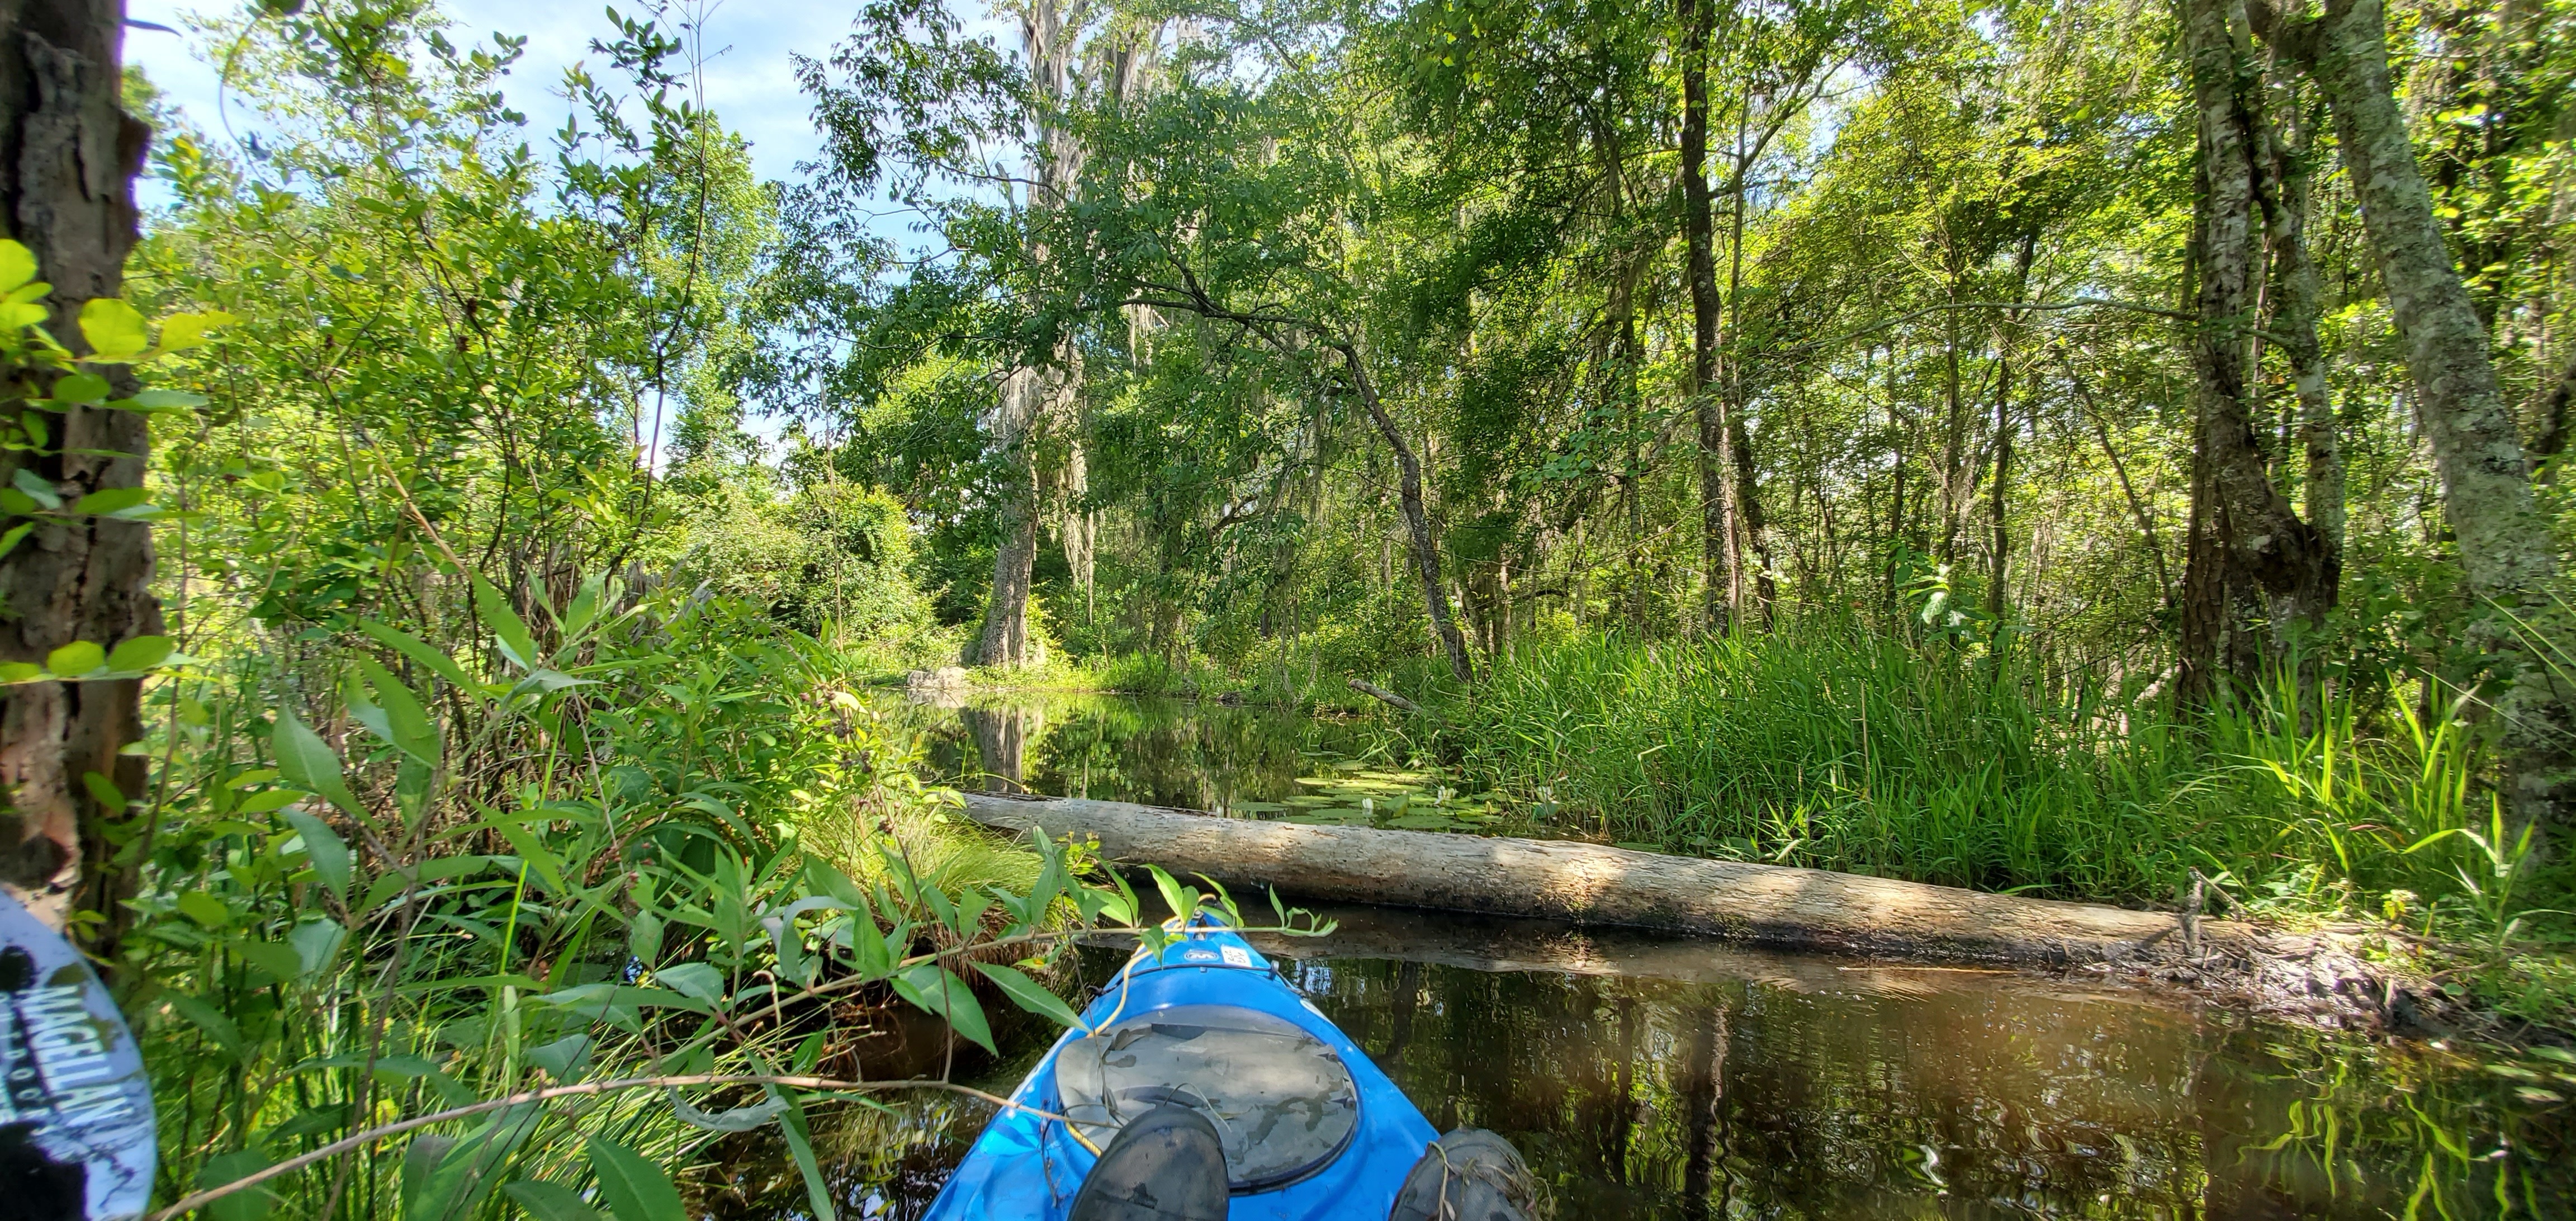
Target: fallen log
[1589,884]
[1391,699]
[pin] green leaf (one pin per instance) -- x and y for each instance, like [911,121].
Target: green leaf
[308,764]
[516,643]
[141,653]
[17,533]
[317,945]
[17,265]
[418,650]
[324,847]
[204,908]
[406,717]
[278,961]
[111,500]
[585,607]
[248,1204]
[644,938]
[114,330]
[693,979]
[564,1059]
[823,879]
[37,488]
[551,1201]
[800,1145]
[633,1189]
[219,1030]
[21,672]
[180,332]
[75,659]
[159,399]
[1031,995]
[1181,899]
[424,1189]
[104,791]
[937,989]
[82,388]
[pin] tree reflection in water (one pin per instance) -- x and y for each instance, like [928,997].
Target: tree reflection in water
[1645,1077]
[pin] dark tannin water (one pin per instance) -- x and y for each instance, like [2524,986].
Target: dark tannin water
[1653,1077]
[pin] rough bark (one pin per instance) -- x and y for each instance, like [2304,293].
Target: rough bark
[1006,640]
[68,157]
[2295,300]
[2247,535]
[1595,885]
[1717,484]
[2505,549]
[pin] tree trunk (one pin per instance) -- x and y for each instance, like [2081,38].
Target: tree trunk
[1032,398]
[1717,485]
[2000,562]
[1752,538]
[2295,304]
[1081,529]
[1005,640]
[1954,432]
[68,157]
[2249,532]
[1417,519]
[2505,548]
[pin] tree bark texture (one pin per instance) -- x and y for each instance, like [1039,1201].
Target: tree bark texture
[2295,301]
[1006,640]
[68,157]
[2505,548]
[2248,531]
[1717,484]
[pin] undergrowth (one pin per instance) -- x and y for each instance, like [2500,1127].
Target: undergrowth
[1839,749]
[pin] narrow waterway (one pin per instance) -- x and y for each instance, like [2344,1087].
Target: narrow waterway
[1652,1077]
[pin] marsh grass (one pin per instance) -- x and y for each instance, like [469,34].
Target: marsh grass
[1846,750]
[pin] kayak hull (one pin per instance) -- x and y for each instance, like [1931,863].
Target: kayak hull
[1026,1166]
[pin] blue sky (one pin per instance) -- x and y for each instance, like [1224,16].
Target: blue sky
[749,81]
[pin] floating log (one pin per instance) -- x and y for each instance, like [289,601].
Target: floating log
[1590,884]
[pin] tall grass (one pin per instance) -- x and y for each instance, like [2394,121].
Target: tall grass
[1847,750]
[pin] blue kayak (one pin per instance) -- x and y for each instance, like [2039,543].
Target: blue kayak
[1311,1128]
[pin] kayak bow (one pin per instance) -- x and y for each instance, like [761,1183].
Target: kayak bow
[1311,1128]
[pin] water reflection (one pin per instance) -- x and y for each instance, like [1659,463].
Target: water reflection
[1156,751]
[1645,1077]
